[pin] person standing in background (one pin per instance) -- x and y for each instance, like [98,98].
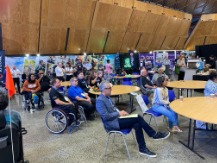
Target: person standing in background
[60,72]
[69,71]
[108,67]
[182,65]
[16,77]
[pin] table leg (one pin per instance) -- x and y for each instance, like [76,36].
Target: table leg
[189,139]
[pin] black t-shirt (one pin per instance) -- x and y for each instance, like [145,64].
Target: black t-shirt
[98,81]
[83,85]
[79,66]
[54,94]
[145,81]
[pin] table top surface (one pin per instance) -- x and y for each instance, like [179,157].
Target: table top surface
[187,84]
[120,89]
[66,83]
[197,108]
[127,76]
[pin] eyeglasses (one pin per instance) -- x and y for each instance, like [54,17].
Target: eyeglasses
[75,80]
[109,88]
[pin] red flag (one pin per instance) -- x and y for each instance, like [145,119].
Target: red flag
[9,83]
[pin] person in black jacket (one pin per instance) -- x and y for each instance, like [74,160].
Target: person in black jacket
[82,83]
[44,81]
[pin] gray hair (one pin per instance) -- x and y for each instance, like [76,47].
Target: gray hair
[102,85]
[72,78]
[3,99]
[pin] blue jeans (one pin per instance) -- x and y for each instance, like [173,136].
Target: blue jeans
[166,111]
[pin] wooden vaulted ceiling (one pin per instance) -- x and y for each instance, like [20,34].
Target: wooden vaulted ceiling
[194,7]
[103,26]
[205,33]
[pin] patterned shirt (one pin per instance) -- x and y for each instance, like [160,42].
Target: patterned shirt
[210,88]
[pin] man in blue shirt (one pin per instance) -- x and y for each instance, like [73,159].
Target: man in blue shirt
[75,93]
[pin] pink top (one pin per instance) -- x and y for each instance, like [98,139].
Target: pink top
[108,68]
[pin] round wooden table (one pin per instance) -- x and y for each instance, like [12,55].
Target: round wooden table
[127,76]
[65,83]
[120,90]
[196,108]
[187,84]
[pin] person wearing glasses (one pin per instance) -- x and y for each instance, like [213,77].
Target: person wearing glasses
[31,86]
[160,104]
[75,93]
[110,116]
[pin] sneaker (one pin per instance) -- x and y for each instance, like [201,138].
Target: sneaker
[161,135]
[77,123]
[146,152]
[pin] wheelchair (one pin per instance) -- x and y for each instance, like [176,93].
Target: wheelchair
[6,144]
[57,120]
[26,103]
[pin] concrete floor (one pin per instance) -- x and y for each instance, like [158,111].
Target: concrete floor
[87,144]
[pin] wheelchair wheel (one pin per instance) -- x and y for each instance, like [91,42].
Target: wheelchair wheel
[56,121]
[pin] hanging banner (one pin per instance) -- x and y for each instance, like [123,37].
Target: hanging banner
[2,64]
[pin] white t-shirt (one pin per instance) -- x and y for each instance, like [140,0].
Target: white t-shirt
[69,69]
[88,66]
[59,71]
[15,73]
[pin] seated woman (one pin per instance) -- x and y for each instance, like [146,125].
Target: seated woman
[159,73]
[161,102]
[31,86]
[96,78]
[210,88]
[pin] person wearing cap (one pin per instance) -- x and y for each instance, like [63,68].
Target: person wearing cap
[110,116]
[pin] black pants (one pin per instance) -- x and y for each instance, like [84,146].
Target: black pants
[70,109]
[68,77]
[17,81]
[138,124]
[61,78]
[89,108]
[28,96]
[181,75]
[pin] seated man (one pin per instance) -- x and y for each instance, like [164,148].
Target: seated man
[44,81]
[14,117]
[31,86]
[75,93]
[63,103]
[110,116]
[147,87]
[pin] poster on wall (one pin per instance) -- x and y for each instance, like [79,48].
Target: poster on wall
[18,62]
[146,59]
[29,65]
[2,64]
